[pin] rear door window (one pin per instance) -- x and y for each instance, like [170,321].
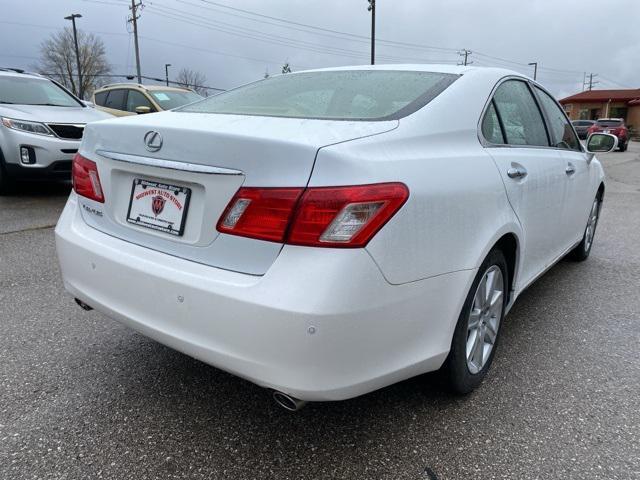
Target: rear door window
[491,126]
[521,118]
[116,99]
[562,134]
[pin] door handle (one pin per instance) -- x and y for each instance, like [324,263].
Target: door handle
[570,170]
[517,172]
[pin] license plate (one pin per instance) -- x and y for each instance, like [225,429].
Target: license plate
[159,206]
[606,131]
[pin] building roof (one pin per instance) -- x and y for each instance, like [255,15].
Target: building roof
[603,96]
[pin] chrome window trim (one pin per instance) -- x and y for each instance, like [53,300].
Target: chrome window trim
[168,164]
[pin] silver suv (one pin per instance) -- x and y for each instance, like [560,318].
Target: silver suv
[41,126]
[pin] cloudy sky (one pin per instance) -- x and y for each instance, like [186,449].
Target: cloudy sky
[236,45]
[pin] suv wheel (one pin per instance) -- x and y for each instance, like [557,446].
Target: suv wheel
[5,181]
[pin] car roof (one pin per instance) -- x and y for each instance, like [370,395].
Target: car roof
[19,73]
[138,86]
[422,67]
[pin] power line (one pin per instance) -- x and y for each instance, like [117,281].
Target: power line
[465,53]
[174,14]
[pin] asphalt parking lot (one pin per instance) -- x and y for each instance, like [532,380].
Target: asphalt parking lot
[84,397]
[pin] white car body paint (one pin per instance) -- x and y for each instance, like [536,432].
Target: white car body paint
[380,314]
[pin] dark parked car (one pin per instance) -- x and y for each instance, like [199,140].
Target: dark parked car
[614,126]
[582,127]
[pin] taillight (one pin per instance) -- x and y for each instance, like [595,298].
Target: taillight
[86,181]
[261,213]
[321,216]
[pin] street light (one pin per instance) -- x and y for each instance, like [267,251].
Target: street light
[372,9]
[73,17]
[535,69]
[166,72]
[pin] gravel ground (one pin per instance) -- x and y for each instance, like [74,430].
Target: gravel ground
[84,397]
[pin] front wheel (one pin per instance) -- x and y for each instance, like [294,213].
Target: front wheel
[582,251]
[476,335]
[5,184]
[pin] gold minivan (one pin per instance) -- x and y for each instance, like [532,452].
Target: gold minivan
[122,99]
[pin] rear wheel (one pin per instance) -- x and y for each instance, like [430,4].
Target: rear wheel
[623,147]
[476,335]
[582,251]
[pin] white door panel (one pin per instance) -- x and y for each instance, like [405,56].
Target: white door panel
[580,193]
[538,200]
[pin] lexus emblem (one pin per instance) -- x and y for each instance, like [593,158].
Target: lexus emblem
[152,141]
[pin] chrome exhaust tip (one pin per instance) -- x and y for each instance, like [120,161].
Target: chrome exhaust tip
[288,402]
[83,305]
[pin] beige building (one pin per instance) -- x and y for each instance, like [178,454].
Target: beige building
[595,104]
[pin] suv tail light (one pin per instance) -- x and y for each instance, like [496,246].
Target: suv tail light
[317,216]
[86,181]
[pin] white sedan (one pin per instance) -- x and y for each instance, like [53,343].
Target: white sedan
[327,233]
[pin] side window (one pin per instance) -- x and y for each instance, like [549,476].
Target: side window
[520,115]
[491,126]
[561,131]
[101,98]
[116,99]
[137,99]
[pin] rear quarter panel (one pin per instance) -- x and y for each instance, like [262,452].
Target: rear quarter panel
[457,207]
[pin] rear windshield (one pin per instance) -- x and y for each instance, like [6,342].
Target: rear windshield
[334,95]
[609,123]
[583,123]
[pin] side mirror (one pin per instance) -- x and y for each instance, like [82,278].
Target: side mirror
[601,143]
[142,109]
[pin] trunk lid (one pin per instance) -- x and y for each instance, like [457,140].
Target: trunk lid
[212,156]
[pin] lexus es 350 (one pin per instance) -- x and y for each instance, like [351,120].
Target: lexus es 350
[327,233]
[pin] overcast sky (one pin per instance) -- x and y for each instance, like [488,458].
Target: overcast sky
[231,47]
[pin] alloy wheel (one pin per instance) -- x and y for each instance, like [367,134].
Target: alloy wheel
[484,319]
[591,224]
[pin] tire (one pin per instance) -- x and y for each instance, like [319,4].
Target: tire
[465,368]
[623,147]
[582,251]
[6,185]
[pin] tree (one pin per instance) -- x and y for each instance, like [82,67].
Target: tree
[58,60]
[192,79]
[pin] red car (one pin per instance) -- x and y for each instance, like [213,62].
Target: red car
[614,126]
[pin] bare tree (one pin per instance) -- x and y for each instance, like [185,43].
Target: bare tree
[58,60]
[191,79]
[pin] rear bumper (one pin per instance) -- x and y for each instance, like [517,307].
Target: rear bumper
[321,324]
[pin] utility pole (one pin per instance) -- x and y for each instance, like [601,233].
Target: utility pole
[591,81]
[166,72]
[465,53]
[535,70]
[73,17]
[372,9]
[134,19]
